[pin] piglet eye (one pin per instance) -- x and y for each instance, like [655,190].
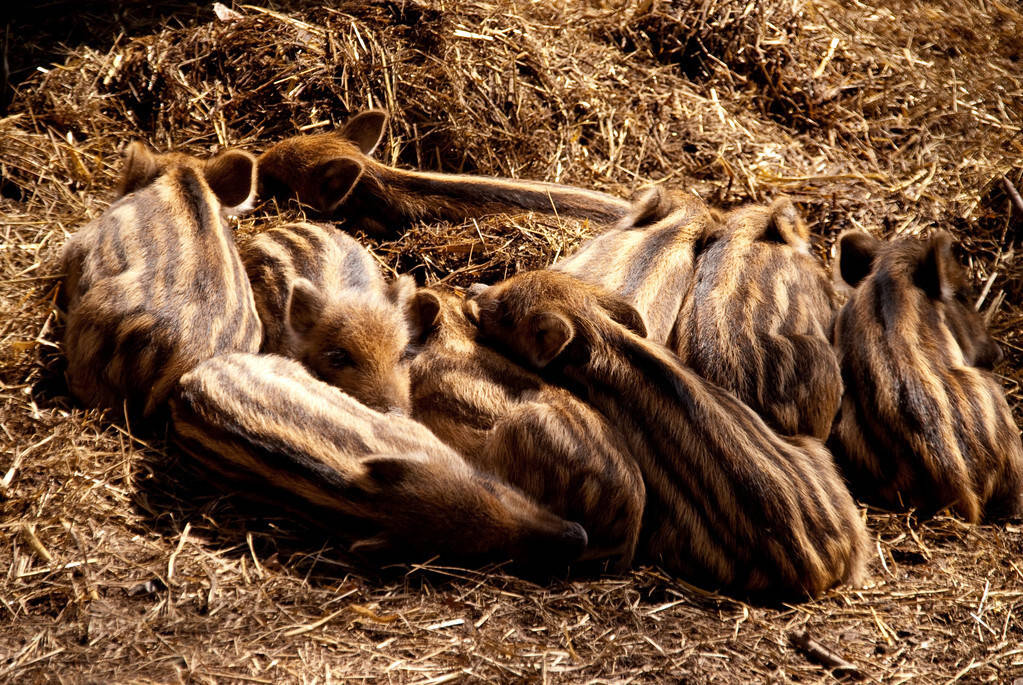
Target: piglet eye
[338,358]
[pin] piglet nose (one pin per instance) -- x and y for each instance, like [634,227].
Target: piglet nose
[996,353]
[988,355]
[575,539]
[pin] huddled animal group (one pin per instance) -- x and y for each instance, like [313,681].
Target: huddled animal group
[684,389]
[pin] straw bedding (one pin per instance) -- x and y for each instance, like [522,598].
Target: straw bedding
[118,562]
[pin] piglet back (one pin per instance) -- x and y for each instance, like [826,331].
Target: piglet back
[154,287]
[921,424]
[264,422]
[758,320]
[263,419]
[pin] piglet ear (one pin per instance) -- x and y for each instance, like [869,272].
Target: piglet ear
[712,232]
[371,545]
[337,179]
[649,205]
[378,473]
[471,309]
[937,268]
[856,252]
[423,313]
[389,470]
[400,290]
[476,289]
[231,176]
[551,334]
[622,312]
[366,129]
[305,304]
[786,225]
[139,169]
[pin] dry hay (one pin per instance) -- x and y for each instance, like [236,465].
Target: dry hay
[123,564]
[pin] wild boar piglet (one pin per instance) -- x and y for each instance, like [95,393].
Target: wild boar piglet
[267,425]
[335,174]
[154,285]
[323,301]
[921,423]
[730,503]
[506,420]
[758,320]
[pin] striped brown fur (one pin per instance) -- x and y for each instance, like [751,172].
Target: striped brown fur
[323,301]
[154,285]
[729,502]
[758,320]
[263,421]
[649,258]
[538,437]
[921,425]
[335,175]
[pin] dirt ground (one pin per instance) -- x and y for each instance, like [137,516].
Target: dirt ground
[120,562]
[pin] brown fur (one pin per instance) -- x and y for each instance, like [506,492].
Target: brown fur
[324,302]
[154,285]
[758,320]
[649,258]
[264,422]
[334,174]
[729,502]
[507,421]
[920,424]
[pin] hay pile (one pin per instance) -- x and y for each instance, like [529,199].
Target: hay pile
[123,564]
